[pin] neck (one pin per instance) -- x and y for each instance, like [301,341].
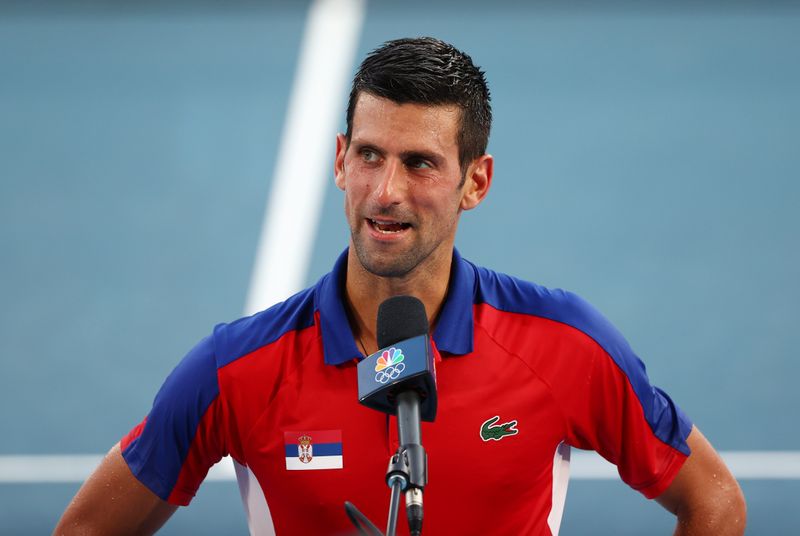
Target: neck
[365,291]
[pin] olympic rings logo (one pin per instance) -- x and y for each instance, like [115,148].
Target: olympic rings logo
[390,373]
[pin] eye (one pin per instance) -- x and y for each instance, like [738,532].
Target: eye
[418,163]
[368,155]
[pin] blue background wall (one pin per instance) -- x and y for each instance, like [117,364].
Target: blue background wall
[647,159]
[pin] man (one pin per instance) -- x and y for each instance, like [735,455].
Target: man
[522,371]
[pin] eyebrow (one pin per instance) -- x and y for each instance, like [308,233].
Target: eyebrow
[421,155]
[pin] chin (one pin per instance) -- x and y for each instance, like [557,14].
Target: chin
[397,265]
[386,269]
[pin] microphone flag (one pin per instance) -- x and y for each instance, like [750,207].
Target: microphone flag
[405,365]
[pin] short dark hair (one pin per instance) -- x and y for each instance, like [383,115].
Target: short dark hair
[425,70]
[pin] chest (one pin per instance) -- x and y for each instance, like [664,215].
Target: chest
[491,446]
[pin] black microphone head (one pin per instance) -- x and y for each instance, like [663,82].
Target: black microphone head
[400,318]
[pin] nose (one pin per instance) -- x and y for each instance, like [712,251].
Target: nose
[390,187]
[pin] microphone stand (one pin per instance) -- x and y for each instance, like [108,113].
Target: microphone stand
[407,471]
[408,428]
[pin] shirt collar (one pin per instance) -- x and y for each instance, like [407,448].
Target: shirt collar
[453,333]
[454,329]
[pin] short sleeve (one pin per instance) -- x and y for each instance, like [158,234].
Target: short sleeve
[172,449]
[619,413]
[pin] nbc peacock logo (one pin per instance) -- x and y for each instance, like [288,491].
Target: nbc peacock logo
[389,365]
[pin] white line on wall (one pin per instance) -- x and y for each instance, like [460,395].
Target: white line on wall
[303,171]
[305,159]
[745,465]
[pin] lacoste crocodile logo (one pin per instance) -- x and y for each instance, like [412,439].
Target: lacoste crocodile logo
[496,433]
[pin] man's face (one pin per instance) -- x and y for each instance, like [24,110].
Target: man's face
[401,178]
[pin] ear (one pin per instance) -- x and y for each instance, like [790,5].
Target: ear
[338,162]
[479,179]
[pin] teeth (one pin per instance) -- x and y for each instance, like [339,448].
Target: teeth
[388,227]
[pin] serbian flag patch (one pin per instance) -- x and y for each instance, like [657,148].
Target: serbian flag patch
[313,449]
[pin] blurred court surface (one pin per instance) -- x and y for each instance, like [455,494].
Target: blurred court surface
[647,158]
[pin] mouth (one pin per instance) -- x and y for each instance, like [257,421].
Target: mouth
[388,227]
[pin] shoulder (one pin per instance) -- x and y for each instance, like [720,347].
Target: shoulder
[508,294]
[564,329]
[197,372]
[246,335]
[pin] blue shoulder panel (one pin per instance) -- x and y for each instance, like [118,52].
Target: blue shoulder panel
[157,455]
[248,334]
[513,295]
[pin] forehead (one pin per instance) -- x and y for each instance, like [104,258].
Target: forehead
[383,121]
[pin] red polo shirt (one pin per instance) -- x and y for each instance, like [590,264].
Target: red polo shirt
[523,371]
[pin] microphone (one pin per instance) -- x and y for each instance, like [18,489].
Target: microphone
[404,362]
[400,379]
